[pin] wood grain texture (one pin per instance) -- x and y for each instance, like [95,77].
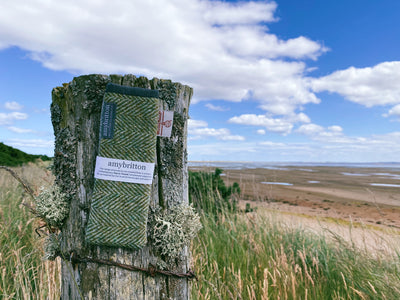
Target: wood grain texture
[75,110]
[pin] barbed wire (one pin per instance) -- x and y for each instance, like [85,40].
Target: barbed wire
[151,270]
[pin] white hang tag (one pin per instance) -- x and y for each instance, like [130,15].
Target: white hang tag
[165,122]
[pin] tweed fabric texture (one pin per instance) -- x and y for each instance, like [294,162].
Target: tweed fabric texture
[119,210]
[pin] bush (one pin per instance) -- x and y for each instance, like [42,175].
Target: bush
[208,192]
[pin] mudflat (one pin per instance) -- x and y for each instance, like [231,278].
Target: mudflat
[367,195]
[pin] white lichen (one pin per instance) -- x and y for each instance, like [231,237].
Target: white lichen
[173,229]
[52,206]
[51,247]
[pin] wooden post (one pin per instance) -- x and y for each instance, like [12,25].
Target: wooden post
[75,113]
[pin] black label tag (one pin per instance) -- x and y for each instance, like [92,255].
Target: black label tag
[107,120]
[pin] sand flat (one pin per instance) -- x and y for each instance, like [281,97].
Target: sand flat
[336,194]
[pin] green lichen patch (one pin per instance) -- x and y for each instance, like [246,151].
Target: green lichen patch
[168,93]
[171,230]
[51,247]
[51,206]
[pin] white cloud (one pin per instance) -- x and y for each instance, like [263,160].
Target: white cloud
[255,42]
[196,123]
[335,128]
[261,132]
[198,129]
[333,137]
[298,118]
[9,118]
[31,143]
[279,125]
[394,111]
[385,147]
[310,129]
[13,105]
[221,13]
[223,50]
[221,134]
[20,130]
[272,144]
[271,124]
[378,85]
[215,107]
[319,133]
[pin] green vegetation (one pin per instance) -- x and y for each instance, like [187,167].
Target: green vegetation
[209,194]
[237,254]
[11,157]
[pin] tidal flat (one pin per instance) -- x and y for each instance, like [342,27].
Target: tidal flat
[370,195]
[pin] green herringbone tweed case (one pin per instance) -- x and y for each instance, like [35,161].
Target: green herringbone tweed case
[118,213]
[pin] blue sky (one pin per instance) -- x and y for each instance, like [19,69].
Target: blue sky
[289,80]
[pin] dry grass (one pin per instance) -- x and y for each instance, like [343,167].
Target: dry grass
[256,256]
[23,273]
[236,256]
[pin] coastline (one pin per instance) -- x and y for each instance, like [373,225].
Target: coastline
[362,193]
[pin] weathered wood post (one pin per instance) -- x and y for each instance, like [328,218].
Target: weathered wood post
[75,113]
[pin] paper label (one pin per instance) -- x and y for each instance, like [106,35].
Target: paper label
[107,120]
[123,170]
[165,121]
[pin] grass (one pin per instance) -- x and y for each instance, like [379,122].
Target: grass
[23,273]
[237,255]
[256,256]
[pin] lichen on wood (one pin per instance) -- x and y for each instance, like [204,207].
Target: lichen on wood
[173,229]
[52,206]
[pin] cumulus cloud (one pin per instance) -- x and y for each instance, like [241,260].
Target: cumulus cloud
[192,124]
[221,13]
[394,111]
[223,50]
[9,118]
[13,105]
[198,129]
[271,124]
[221,134]
[278,125]
[377,85]
[317,132]
[216,107]
[333,135]
[272,144]
[20,130]
[31,143]
[261,132]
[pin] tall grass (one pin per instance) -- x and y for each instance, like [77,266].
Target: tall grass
[23,273]
[253,256]
[237,255]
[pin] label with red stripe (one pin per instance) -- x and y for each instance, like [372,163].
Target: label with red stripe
[165,122]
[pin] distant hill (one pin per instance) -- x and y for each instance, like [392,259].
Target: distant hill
[11,157]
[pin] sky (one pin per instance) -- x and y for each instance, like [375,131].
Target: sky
[274,81]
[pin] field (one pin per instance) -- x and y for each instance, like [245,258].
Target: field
[300,241]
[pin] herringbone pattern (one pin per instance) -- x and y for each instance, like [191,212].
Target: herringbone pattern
[118,214]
